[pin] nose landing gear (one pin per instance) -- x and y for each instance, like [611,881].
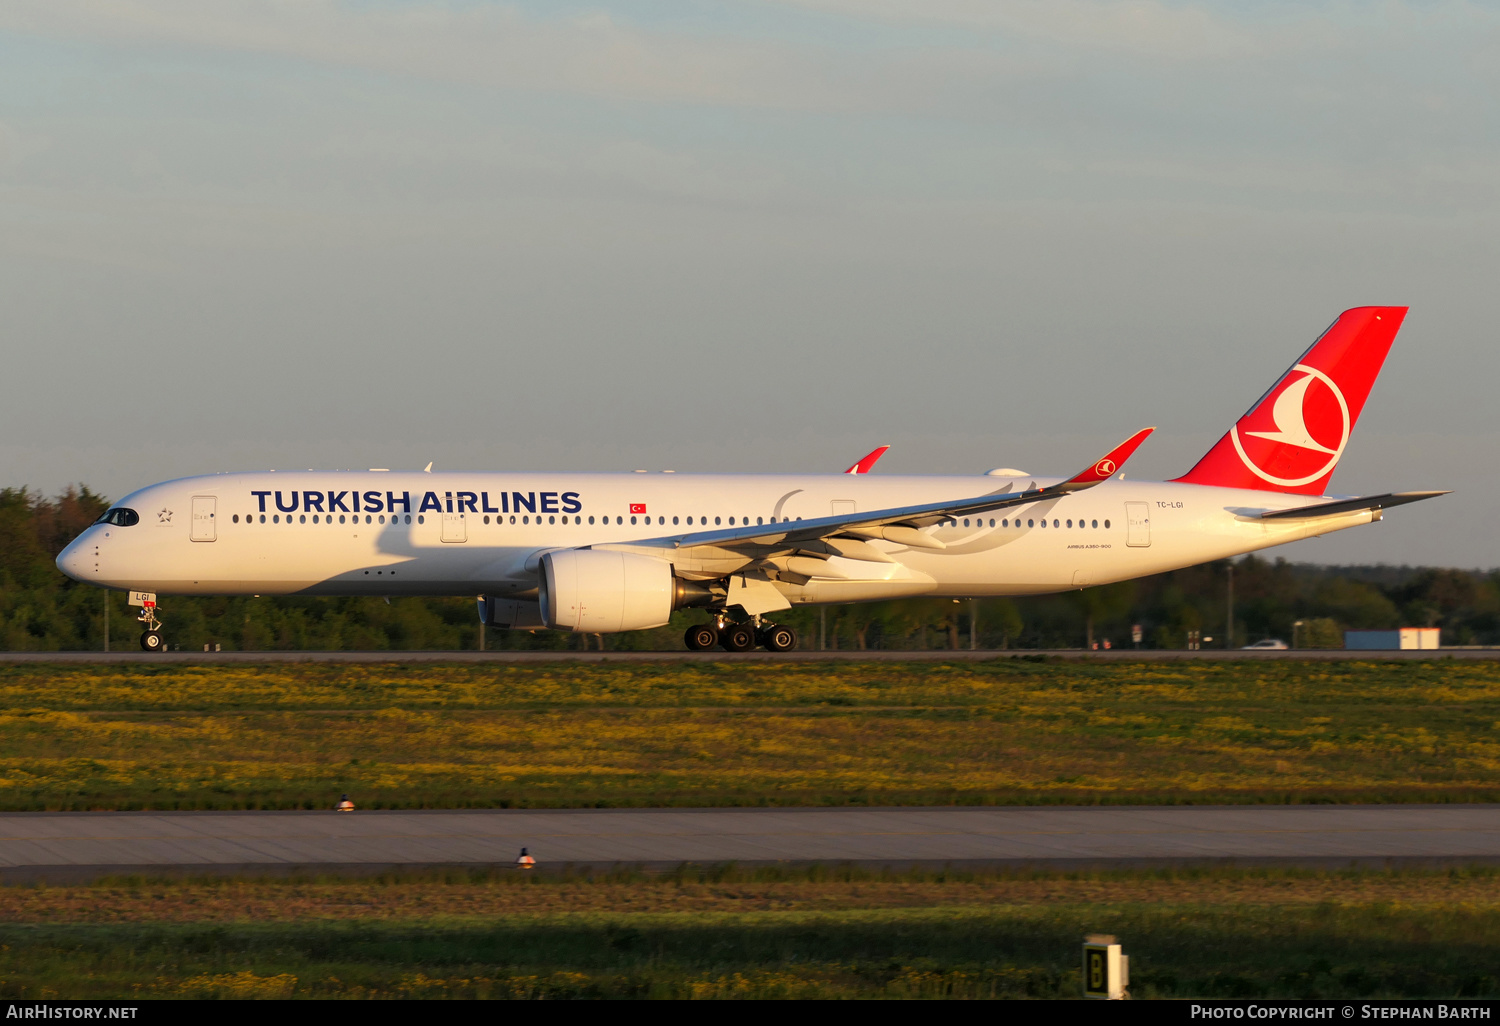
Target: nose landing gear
[151,636]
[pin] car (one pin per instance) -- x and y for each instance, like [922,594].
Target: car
[1267,645]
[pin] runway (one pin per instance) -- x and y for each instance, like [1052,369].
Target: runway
[78,846]
[942,655]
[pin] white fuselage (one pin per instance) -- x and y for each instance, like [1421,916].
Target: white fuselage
[386,533]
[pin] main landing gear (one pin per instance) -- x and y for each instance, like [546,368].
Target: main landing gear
[740,637]
[151,636]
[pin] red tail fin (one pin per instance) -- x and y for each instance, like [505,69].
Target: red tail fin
[1291,439]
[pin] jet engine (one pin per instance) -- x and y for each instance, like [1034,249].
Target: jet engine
[509,614]
[599,591]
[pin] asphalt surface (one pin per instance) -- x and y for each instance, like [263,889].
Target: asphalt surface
[76,846]
[937,655]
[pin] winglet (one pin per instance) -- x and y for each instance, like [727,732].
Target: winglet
[864,465]
[1106,467]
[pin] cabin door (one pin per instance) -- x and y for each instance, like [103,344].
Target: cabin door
[204,528]
[1137,525]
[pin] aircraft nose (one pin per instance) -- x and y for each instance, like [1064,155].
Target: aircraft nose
[72,559]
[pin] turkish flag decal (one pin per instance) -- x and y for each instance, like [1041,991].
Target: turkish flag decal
[637,507]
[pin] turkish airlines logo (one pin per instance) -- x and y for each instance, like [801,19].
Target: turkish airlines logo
[1104,468]
[1301,430]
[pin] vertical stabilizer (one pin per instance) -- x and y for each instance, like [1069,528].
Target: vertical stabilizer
[1292,438]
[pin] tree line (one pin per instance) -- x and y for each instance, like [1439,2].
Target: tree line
[41,610]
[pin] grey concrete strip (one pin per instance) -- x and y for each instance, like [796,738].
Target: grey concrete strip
[33,844]
[963,655]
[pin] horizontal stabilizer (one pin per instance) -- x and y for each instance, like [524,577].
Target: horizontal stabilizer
[1325,509]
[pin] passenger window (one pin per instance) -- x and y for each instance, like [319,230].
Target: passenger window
[302,519]
[731,521]
[263,518]
[526,520]
[236,518]
[408,520]
[757,521]
[591,520]
[674,521]
[1032,523]
[632,521]
[381,518]
[1106,523]
[275,518]
[1070,523]
[1003,523]
[1096,523]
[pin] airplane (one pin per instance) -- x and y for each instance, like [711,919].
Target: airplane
[605,553]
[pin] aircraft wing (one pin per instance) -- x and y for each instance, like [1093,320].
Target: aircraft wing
[1370,502]
[902,524]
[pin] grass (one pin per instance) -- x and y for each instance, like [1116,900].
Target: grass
[1009,731]
[714,934]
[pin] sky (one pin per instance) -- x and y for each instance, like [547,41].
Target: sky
[743,237]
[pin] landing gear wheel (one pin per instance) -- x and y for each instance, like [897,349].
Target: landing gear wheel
[701,637]
[738,637]
[777,638]
[151,641]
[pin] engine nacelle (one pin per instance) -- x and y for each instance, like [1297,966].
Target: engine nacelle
[600,591]
[510,614]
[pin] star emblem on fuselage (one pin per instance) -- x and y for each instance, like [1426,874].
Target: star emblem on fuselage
[165,516]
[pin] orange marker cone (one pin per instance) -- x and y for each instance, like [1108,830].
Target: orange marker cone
[525,861]
[344,805]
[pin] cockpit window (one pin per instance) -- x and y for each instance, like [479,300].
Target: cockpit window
[120,517]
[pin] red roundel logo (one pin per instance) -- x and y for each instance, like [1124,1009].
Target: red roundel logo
[1104,468]
[1298,432]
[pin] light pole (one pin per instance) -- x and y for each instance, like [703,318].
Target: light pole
[1295,625]
[1229,610]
